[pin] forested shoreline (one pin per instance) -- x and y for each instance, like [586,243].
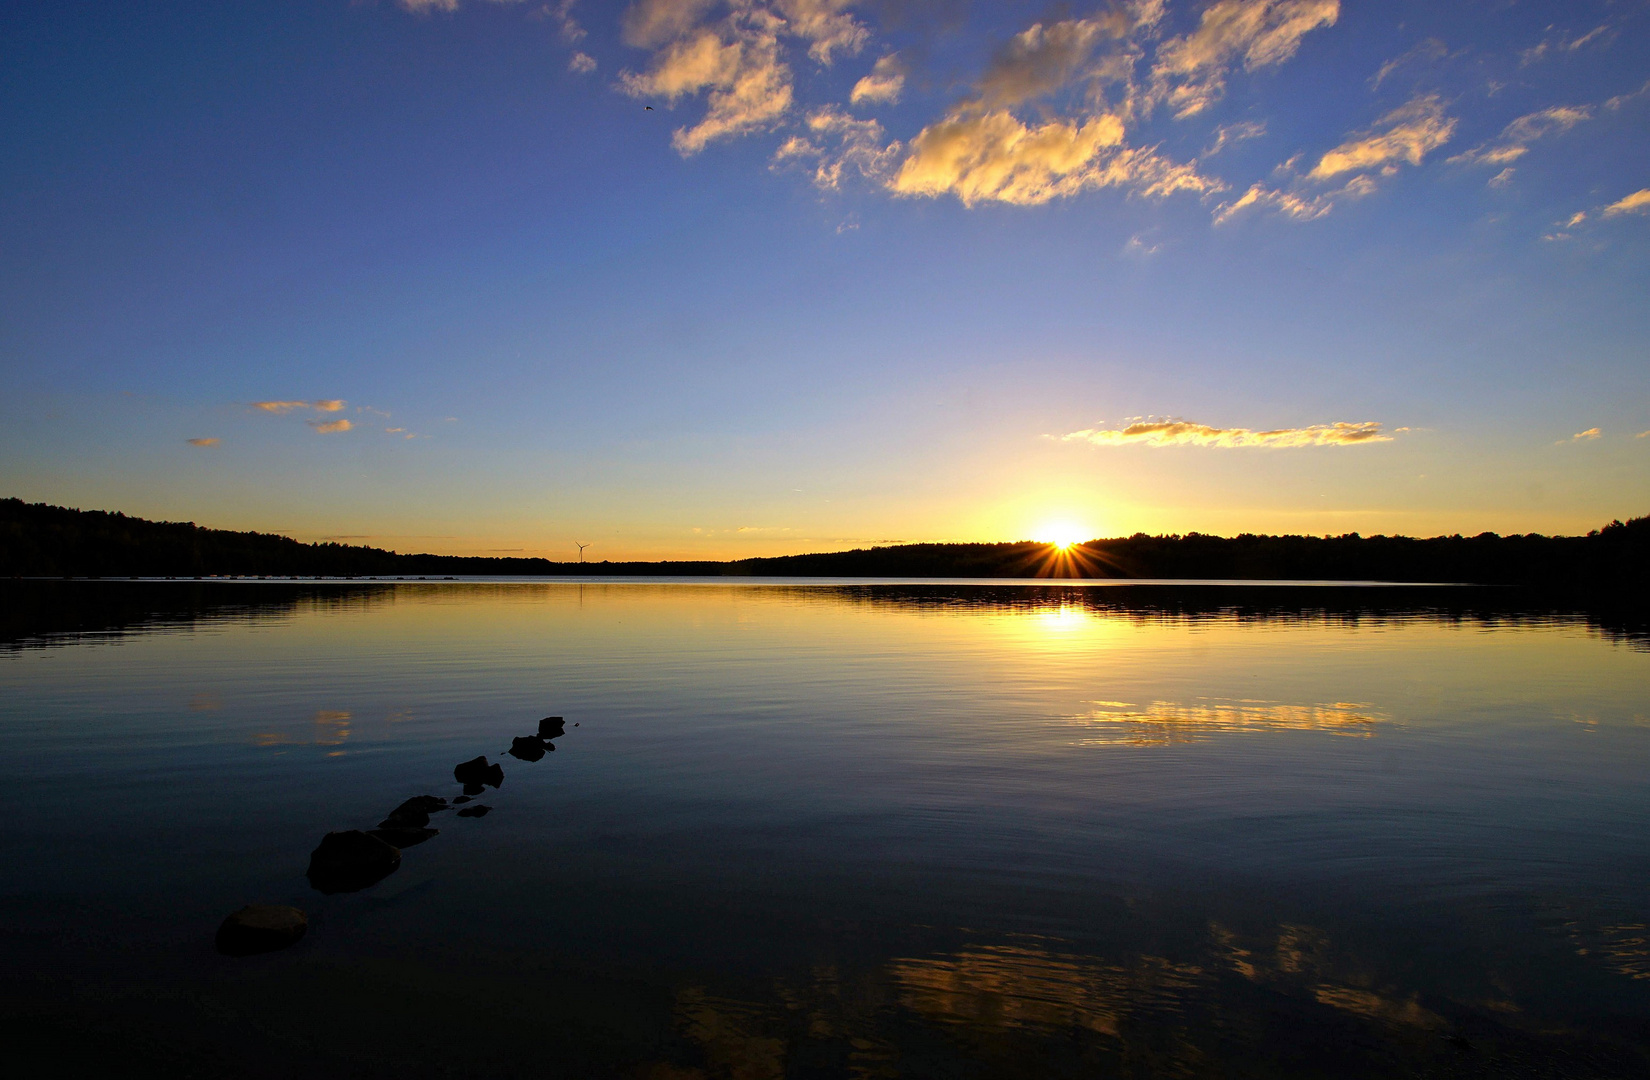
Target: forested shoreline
[38,540]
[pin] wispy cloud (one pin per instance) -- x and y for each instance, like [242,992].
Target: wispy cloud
[1232,134]
[1151,432]
[202,442]
[326,405]
[1429,51]
[1190,72]
[736,61]
[1636,203]
[328,427]
[885,83]
[1406,134]
[1563,43]
[1583,436]
[581,63]
[1515,139]
[837,146]
[1403,136]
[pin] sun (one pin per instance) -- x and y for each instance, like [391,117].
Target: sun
[1061,534]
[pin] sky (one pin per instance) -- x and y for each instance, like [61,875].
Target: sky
[724,278]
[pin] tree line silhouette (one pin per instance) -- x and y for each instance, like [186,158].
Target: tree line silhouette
[38,540]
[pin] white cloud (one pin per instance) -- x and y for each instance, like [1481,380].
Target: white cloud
[1515,139]
[1189,72]
[993,156]
[1150,432]
[885,83]
[581,63]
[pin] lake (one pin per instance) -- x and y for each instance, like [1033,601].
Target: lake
[795,829]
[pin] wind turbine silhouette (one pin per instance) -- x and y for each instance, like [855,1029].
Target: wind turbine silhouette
[581,550]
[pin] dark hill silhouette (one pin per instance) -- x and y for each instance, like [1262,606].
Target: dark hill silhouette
[41,540]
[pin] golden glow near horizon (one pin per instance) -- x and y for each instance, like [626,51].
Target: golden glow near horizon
[1062,534]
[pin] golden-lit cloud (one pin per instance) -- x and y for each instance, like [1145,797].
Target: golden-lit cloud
[994,156]
[1297,205]
[825,25]
[836,145]
[1185,433]
[885,83]
[738,64]
[1406,134]
[1636,203]
[328,427]
[328,405]
[202,442]
[1515,139]
[1189,72]
[1585,436]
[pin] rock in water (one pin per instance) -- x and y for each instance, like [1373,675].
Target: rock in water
[350,861]
[421,804]
[477,810]
[462,799]
[477,771]
[527,748]
[403,837]
[552,727]
[261,928]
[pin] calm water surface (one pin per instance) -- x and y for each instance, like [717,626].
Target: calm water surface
[848,830]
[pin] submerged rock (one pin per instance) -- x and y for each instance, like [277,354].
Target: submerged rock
[478,771]
[425,804]
[402,837]
[527,748]
[414,813]
[462,799]
[261,928]
[552,727]
[350,861]
[477,810]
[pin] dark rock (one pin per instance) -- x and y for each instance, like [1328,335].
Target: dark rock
[471,791]
[552,727]
[427,804]
[477,810]
[463,799]
[350,861]
[477,771]
[414,813]
[261,928]
[402,837]
[527,748]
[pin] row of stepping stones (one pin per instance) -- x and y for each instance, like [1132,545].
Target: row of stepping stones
[352,860]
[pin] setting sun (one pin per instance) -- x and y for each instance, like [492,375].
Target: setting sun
[1061,534]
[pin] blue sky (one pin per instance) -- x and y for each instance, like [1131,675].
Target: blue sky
[915,270]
